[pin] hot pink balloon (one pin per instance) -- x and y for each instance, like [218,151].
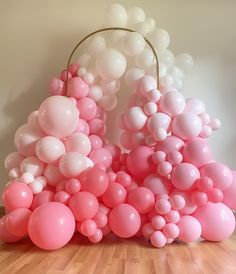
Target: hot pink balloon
[230,194]
[124,221]
[5,235]
[100,219]
[189,229]
[88,228]
[51,226]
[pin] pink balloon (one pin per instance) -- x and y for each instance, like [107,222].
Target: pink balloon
[84,205]
[217,221]
[77,88]
[204,184]
[171,231]
[172,216]
[72,186]
[94,180]
[124,221]
[197,152]
[142,199]
[17,195]
[184,176]
[215,195]
[97,126]
[78,142]
[101,156]
[230,194]
[58,116]
[158,222]
[114,195]
[139,162]
[5,235]
[177,202]
[96,141]
[87,108]
[220,174]
[189,206]
[83,127]
[17,221]
[100,219]
[51,226]
[189,229]
[96,237]
[157,184]
[13,160]
[172,103]
[170,144]
[56,86]
[42,198]
[158,239]
[162,206]
[88,228]
[53,174]
[147,230]
[62,197]
[123,178]
[199,198]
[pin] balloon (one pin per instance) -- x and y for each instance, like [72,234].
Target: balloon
[114,195]
[116,15]
[42,198]
[160,39]
[83,127]
[135,15]
[58,116]
[158,222]
[72,186]
[62,197]
[167,58]
[88,228]
[162,206]
[172,216]
[5,235]
[101,156]
[124,221]
[51,226]
[108,102]
[145,59]
[142,199]
[171,231]
[132,77]
[189,206]
[17,221]
[13,160]
[78,142]
[95,93]
[57,86]
[189,229]
[217,221]
[94,180]
[170,144]
[135,118]
[77,88]
[97,127]
[133,43]
[49,149]
[87,108]
[146,84]
[158,239]
[172,103]
[184,61]
[96,237]
[32,165]
[53,174]
[84,205]
[100,219]
[177,202]
[195,105]
[230,194]
[220,174]
[157,184]
[16,195]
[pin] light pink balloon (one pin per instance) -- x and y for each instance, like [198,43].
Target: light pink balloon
[51,226]
[100,219]
[58,116]
[124,221]
[172,216]
[97,126]
[13,160]
[83,127]
[189,206]
[157,184]
[195,105]
[220,174]
[5,235]
[96,237]
[217,221]
[170,144]
[230,194]
[114,195]
[49,149]
[17,221]
[73,186]
[147,230]
[184,176]
[162,206]
[87,108]
[171,231]
[62,197]
[77,88]
[53,174]
[42,198]
[158,222]
[78,142]
[172,103]
[177,202]
[189,229]
[88,228]
[101,156]
[158,239]
[26,138]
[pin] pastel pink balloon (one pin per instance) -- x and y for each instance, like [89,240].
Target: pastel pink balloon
[17,221]
[170,144]
[204,184]
[157,184]
[230,194]
[171,231]
[114,195]
[172,103]
[187,125]
[13,160]
[72,164]
[5,235]
[189,206]
[158,120]
[73,69]
[174,157]
[97,126]
[53,174]
[101,156]
[195,105]
[101,114]
[146,83]
[88,228]
[147,230]
[164,168]
[42,198]
[184,176]
[78,142]
[215,195]
[62,197]
[51,226]
[96,141]
[124,221]
[142,199]
[56,86]
[32,165]
[72,186]
[158,222]
[220,174]
[84,205]
[26,138]
[49,149]
[123,178]
[189,229]
[87,108]
[77,88]
[158,239]
[199,198]
[16,195]
[83,127]
[177,202]
[96,237]
[162,206]
[217,221]
[58,116]
[94,180]
[65,74]
[139,162]
[172,216]
[197,152]
[100,219]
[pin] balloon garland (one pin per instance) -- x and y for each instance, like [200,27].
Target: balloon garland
[162,183]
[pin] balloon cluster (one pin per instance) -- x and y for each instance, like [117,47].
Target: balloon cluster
[65,177]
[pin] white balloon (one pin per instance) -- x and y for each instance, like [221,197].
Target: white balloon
[160,39]
[178,83]
[143,28]
[145,59]
[151,22]
[132,76]
[133,43]
[116,37]
[167,81]
[96,44]
[95,92]
[176,72]
[108,102]
[88,78]
[116,16]
[162,70]
[84,60]
[27,177]
[82,71]
[110,87]
[36,187]
[158,120]
[184,61]
[135,118]
[167,57]
[135,16]
[32,165]
[110,64]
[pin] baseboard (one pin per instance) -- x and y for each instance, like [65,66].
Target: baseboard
[2,210]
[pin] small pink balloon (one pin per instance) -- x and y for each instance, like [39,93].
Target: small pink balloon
[184,176]
[217,221]
[77,88]
[56,86]
[189,229]
[83,127]
[172,217]
[157,184]
[220,174]
[230,194]
[164,168]
[53,174]
[177,202]
[65,74]
[73,69]
[172,103]
[158,239]
[123,178]
[101,156]
[58,116]
[124,221]
[199,198]
[171,231]
[101,114]
[13,160]
[17,221]
[189,206]
[215,195]
[158,222]
[170,144]
[146,83]
[62,197]
[174,157]
[87,108]
[41,198]
[5,235]
[100,219]
[142,199]
[16,195]
[162,206]
[84,205]
[72,186]
[114,195]
[97,126]
[147,230]
[96,141]
[204,184]
[88,228]
[96,237]
[51,226]
[159,157]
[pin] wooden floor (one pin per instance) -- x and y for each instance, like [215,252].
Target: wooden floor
[115,255]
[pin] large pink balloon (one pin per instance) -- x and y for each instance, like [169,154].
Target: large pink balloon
[114,195]
[51,226]
[230,194]
[124,220]
[189,229]
[217,221]
[17,195]
[17,221]
[58,116]
[84,205]
[5,235]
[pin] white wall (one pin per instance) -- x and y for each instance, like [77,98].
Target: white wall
[37,36]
